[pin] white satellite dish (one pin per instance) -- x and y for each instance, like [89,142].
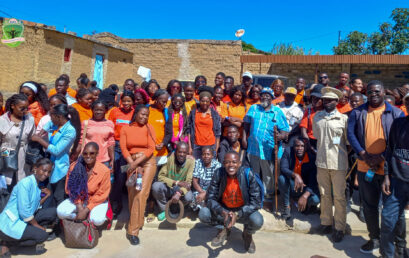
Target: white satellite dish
[239,33]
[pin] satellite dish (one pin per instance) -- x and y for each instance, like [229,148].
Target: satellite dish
[239,33]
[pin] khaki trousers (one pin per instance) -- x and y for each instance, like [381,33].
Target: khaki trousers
[332,183]
[137,199]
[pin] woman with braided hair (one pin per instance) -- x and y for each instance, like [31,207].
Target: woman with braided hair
[87,186]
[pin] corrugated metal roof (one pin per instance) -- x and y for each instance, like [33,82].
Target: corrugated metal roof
[326,59]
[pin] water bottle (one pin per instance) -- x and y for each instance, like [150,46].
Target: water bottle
[369,175]
[138,185]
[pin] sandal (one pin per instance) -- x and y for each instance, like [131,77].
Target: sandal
[150,218]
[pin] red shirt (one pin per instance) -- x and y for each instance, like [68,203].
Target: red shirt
[307,122]
[119,118]
[232,196]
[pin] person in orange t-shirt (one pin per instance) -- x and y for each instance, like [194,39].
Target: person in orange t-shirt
[234,112]
[300,85]
[228,85]
[151,88]
[157,121]
[343,81]
[343,104]
[233,197]
[120,116]
[37,100]
[278,87]
[87,185]
[83,105]
[254,95]
[219,80]
[200,80]
[217,103]
[190,101]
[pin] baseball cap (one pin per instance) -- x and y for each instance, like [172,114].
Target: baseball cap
[290,90]
[268,91]
[247,74]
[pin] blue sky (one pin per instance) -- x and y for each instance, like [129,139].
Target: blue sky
[309,24]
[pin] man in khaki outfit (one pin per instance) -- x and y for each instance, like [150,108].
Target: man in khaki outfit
[329,128]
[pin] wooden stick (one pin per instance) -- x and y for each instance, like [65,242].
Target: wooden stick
[275,168]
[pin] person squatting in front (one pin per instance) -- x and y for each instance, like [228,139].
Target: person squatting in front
[233,196]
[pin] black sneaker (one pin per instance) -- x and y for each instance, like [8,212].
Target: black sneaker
[324,230]
[370,246]
[337,236]
[286,213]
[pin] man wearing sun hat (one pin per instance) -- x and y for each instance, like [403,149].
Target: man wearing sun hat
[329,128]
[291,109]
[247,81]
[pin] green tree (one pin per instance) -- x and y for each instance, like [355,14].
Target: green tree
[390,39]
[290,49]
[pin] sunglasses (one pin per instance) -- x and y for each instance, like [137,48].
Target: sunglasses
[324,77]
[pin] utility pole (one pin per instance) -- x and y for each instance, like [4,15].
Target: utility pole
[339,37]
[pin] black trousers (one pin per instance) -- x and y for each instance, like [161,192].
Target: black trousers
[33,235]
[58,191]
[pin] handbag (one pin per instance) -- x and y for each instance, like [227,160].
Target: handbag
[34,152]
[9,158]
[80,234]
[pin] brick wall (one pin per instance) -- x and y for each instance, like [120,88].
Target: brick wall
[41,58]
[180,59]
[391,75]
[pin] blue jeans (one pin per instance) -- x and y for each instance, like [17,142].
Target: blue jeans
[286,186]
[393,225]
[251,223]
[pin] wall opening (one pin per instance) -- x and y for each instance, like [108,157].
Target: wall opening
[67,54]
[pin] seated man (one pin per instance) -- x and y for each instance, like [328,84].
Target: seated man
[298,178]
[233,197]
[232,143]
[202,175]
[174,179]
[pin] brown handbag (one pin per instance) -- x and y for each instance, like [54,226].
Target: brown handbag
[80,234]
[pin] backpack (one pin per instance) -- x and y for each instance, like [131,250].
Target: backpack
[259,182]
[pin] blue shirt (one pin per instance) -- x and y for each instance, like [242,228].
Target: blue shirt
[23,203]
[59,148]
[262,122]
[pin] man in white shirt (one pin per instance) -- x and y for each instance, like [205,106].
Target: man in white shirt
[292,111]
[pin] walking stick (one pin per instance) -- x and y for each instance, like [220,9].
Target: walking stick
[276,168]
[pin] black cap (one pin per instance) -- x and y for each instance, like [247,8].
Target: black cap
[316,91]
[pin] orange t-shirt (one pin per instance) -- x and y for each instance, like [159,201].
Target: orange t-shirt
[157,121]
[196,96]
[70,91]
[189,105]
[403,108]
[250,102]
[175,124]
[135,139]
[232,110]
[226,99]
[344,108]
[307,123]
[85,113]
[299,163]
[375,142]
[119,118]
[36,111]
[204,129]
[300,97]
[278,99]
[220,107]
[232,196]
[2,111]
[99,184]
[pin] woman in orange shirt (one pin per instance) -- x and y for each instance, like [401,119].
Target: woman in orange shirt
[204,124]
[137,145]
[120,116]
[87,186]
[174,87]
[190,101]
[254,95]
[83,105]
[200,80]
[217,103]
[37,100]
[176,125]
[157,119]
[152,87]
[278,87]
[141,97]
[234,111]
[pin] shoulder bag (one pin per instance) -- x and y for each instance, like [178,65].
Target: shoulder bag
[9,158]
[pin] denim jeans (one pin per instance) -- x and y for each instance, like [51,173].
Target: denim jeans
[251,223]
[286,186]
[370,193]
[393,225]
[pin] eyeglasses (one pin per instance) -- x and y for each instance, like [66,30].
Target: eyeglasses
[323,77]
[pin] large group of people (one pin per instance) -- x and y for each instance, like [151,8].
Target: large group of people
[222,151]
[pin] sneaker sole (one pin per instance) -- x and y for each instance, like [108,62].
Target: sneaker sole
[368,252]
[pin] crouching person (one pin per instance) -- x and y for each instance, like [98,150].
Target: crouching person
[298,178]
[233,197]
[22,220]
[174,179]
[88,185]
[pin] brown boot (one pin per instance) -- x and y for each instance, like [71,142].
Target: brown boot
[221,237]
[248,242]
